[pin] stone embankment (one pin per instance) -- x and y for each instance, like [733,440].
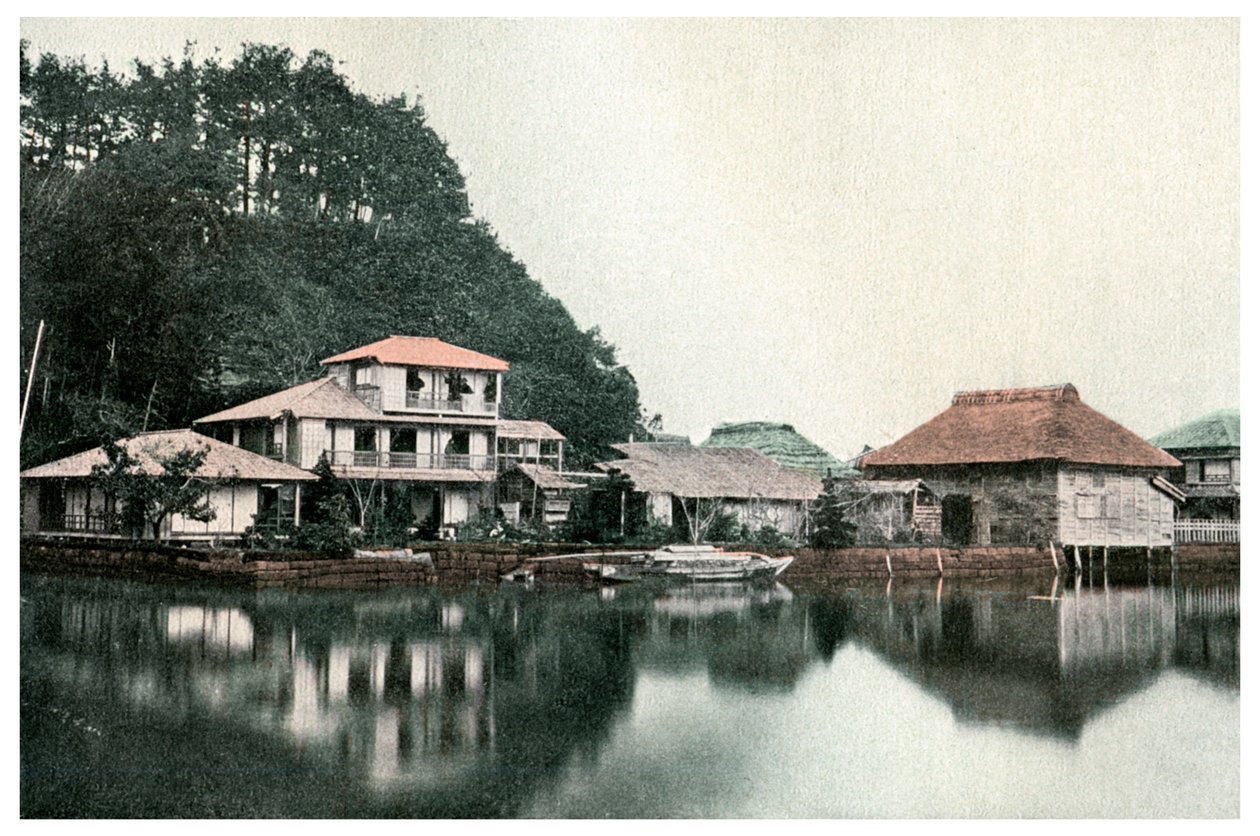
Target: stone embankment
[450,563]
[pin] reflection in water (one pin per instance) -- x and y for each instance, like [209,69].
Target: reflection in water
[489,703]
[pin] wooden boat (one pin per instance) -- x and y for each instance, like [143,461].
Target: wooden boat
[691,563]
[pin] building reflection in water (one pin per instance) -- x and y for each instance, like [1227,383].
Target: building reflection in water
[475,700]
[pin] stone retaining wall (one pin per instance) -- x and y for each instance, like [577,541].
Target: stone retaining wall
[480,563]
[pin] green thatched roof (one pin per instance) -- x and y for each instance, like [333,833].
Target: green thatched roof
[781,443]
[1216,429]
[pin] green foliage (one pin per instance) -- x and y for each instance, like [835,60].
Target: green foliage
[197,234]
[332,530]
[146,499]
[830,529]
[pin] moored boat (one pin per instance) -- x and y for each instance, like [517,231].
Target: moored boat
[691,563]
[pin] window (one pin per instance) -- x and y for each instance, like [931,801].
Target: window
[1100,480]
[365,438]
[1216,470]
[1087,506]
[415,380]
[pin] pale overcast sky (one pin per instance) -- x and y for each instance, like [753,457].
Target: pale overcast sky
[834,223]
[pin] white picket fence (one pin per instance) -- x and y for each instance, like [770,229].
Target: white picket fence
[1206,531]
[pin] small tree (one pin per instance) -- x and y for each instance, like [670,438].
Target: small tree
[831,530]
[147,498]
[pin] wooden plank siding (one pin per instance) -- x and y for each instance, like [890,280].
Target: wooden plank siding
[1099,507]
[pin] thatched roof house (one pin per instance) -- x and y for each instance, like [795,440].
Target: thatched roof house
[59,497]
[782,443]
[1019,425]
[1030,465]
[756,489]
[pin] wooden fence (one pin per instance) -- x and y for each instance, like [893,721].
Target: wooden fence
[1206,531]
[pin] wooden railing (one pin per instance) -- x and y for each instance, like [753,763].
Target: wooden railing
[416,400]
[408,461]
[89,522]
[1206,531]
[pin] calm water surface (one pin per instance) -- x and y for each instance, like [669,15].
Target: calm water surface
[989,699]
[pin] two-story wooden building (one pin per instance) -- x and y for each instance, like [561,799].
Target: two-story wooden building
[1210,451]
[1027,466]
[411,411]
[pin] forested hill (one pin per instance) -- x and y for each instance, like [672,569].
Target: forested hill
[197,234]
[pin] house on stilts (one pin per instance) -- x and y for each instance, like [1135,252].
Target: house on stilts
[1031,466]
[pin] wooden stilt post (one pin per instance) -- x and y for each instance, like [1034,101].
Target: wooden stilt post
[1053,557]
[888,562]
[940,566]
[1076,555]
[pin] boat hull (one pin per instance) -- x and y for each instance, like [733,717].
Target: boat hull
[716,567]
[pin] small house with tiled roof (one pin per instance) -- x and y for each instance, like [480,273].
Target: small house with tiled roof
[672,482]
[415,412]
[1210,451]
[1016,466]
[244,489]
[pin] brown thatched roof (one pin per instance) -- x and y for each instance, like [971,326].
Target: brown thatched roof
[710,472]
[529,429]
[323,398]
[1015,425]
[420,351]
[222,462]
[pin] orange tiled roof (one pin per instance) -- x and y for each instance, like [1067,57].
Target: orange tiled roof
[1014,425]
[420,351]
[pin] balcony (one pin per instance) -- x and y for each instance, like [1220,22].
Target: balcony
[408,461]
[416,400]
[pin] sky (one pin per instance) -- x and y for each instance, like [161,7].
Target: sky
[834,223]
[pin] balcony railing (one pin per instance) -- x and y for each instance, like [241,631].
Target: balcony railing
[1206,531]
[104,523]
[409,461]
[506,460]
[469,406]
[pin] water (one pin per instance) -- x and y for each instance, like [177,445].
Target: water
[1001,699]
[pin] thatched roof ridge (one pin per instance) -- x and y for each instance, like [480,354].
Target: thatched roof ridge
[780,442]
[1216,430]
[428,352]
[222,462]
[1016,425]
[710,472]
[323,398]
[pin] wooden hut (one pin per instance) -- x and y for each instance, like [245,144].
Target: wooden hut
[244,489]
[890,511]
[1019,466]
[783,444]
[535,494]
[679,482]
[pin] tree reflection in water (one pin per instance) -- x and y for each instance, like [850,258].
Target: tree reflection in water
[439,703]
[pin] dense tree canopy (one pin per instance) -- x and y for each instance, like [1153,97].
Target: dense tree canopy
[196,234]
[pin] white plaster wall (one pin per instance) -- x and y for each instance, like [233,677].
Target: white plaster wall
[234,505]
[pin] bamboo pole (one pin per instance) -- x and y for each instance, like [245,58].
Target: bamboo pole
[940,566]
[1054,558]
[30,376]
